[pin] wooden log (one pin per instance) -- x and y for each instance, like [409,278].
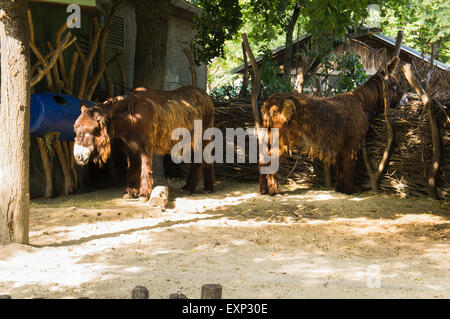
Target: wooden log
[434,168]
[47,168]
[256,83]
[390,138]
[190,57]
[139,292]
[159,197]
[244,87]
[68,189]
[398,43]
[211,291]
[177,296]
[72,165]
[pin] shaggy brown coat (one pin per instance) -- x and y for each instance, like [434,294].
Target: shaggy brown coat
[332,129]
[144,120]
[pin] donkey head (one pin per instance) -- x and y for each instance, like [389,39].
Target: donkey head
[91,134]
[277,110]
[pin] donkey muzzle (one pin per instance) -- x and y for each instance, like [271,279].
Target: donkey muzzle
[81,154]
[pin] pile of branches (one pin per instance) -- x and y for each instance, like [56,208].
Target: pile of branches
[412,152]
[405,173]
[295,168]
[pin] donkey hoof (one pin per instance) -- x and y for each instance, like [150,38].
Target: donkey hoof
[187,189]
[274,192]
[127,196]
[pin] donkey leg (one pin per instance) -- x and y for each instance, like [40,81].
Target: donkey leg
[339,176]
[263,189]
[208,177]
[272,184]
[146,175]
[133,175]
[193,178]
[347,175]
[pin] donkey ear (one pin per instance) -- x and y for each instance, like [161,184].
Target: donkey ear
[392,65]
[288,109]
[84,107]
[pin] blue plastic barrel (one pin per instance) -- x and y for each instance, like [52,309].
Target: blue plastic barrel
[51,112]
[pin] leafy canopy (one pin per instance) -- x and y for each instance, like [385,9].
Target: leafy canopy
[219,21]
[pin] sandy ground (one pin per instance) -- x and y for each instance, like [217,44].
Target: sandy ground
[304,244]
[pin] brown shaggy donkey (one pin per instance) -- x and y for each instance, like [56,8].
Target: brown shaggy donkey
[144,120]
[333,128]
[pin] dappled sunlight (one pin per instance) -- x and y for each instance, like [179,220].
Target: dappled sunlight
[113,228]
[307,243]
[200,205]
[321,197]
[48,266]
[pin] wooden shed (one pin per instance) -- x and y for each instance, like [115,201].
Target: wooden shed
[359,46]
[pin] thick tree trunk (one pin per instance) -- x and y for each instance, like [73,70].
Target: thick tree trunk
[14,122]
[288,51]
[151,47]
[151,43]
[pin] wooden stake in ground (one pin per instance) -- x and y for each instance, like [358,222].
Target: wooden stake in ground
[256,83]
[376,175]
[14,122]
[47,167]
[244,87]
[190,56]
[434,169]
[326,166]
[68,183]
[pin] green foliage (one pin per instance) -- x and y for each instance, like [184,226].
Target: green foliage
[269,18]
[219,21]
[225,93]
[348,70]
[424,22]
[328,21]
[351,72]
[272,80]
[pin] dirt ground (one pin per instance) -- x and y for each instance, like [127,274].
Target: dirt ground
[303,244]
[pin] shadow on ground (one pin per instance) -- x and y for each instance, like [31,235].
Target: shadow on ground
[304,244]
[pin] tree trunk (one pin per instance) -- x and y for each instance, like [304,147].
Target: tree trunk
[151,43]
[14,122]
[288,52]
[151,47]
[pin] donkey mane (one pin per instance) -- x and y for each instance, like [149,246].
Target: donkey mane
[370,93]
